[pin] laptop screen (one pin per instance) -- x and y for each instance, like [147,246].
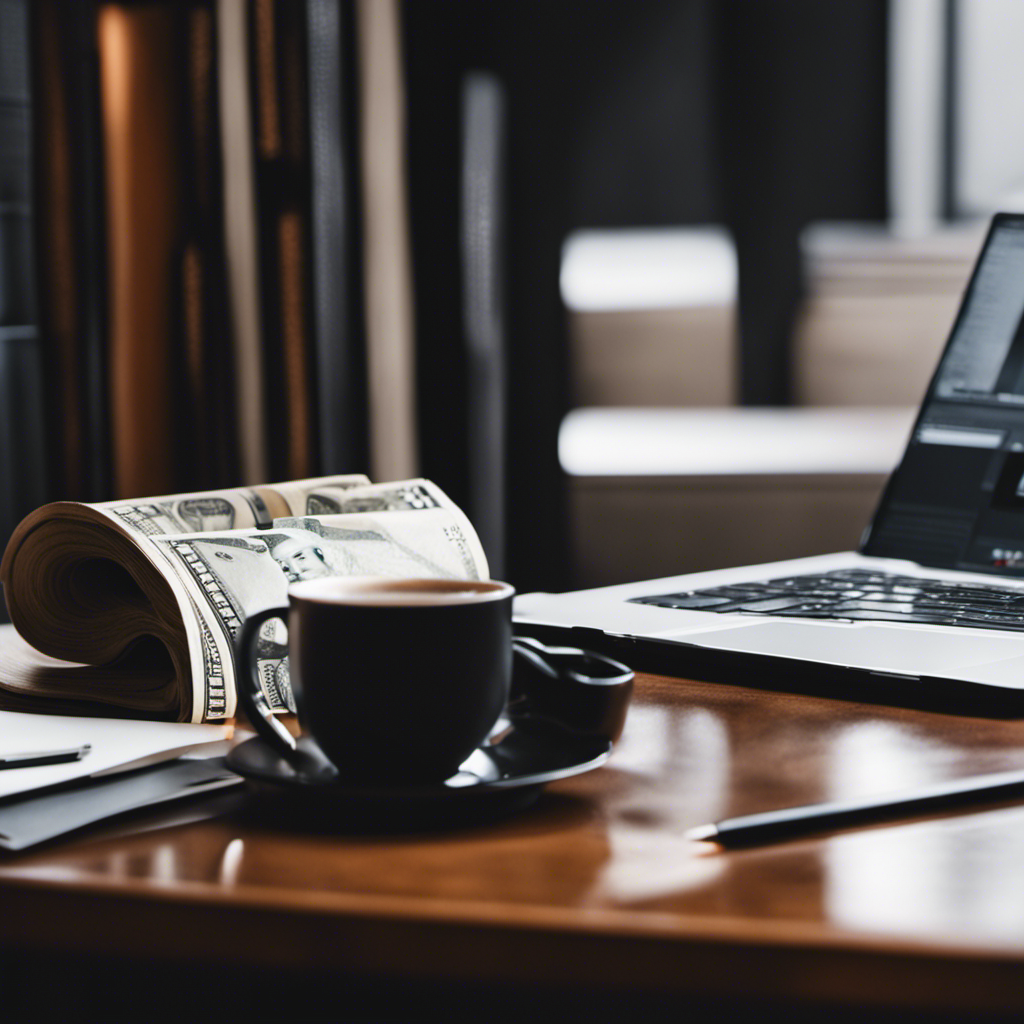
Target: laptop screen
[957,499]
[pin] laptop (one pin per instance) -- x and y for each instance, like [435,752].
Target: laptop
[928,612]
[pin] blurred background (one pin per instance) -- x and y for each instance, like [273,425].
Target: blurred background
[646,286]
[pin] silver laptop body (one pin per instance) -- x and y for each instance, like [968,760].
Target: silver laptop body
[951,517]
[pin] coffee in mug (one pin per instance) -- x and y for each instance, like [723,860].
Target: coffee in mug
[394,679]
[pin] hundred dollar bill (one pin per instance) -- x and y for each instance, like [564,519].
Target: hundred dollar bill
[245,508]
[232,574]
[229,509]
[406,495]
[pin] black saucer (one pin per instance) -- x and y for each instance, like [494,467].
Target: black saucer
[505,773]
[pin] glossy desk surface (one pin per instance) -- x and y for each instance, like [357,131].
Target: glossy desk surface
[595,882]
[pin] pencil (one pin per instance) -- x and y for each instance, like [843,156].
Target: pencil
[792,822]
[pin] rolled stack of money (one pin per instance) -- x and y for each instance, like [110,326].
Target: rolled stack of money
[131,607]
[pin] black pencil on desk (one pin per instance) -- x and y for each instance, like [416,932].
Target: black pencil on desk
[792,822]
[38,757]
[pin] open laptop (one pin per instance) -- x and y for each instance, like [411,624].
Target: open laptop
[929,611]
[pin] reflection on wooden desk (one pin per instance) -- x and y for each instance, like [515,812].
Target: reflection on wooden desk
[596,884]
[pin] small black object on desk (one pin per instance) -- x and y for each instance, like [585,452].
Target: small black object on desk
[585,693]
[37,757]
[793,822]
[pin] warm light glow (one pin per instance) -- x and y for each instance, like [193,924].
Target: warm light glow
[957,877]
[685,442]
[231,862]
[665,268]
[684,760]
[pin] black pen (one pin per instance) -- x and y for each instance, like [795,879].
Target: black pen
[791,822]
[34,757]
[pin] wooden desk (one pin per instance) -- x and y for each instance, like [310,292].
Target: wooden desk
[594,887]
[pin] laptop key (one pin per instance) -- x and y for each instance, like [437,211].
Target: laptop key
[698,601]
[769,604]
[872,616]
[1010,621]
[904,608]
[911,618]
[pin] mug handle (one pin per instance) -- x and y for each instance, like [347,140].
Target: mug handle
[581,691]
[303,754]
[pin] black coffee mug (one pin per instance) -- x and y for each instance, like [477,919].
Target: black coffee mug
[394,680]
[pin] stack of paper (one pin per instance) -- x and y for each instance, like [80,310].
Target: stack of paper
[126,767]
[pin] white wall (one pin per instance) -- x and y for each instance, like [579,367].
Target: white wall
[989,106]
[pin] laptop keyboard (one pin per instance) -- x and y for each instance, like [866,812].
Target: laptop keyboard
[860,594]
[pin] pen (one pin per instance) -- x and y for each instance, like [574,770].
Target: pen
[791,822]
[34,757]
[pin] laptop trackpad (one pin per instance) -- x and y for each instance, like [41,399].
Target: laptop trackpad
[887,649]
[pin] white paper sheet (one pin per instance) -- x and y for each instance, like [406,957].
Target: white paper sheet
[117,745]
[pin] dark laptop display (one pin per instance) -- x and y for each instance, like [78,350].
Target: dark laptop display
[957,499]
